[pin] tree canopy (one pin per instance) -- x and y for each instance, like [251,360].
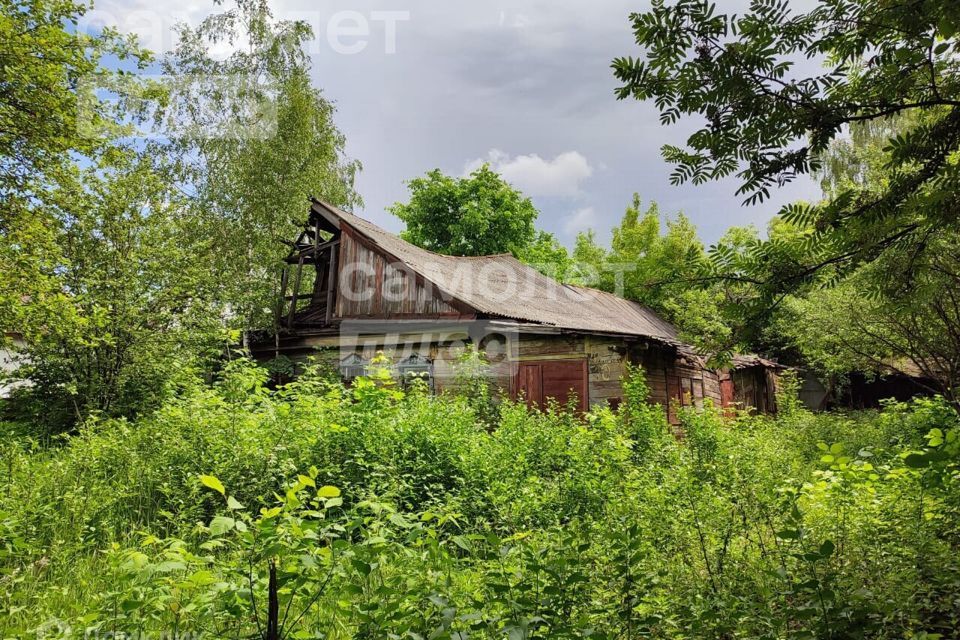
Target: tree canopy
[651,259]
[768,116]
[897,314]
[480,214]
[252,156]
[50,116]
[124,261]
[47,106]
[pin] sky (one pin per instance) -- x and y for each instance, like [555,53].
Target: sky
[526,86]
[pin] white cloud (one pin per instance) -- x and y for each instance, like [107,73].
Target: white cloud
[535,176]
[579,220]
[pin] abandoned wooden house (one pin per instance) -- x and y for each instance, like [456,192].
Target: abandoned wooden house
[374,292]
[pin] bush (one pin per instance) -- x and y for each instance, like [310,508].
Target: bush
[374,512]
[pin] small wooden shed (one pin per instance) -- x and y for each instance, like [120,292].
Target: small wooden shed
[751,383]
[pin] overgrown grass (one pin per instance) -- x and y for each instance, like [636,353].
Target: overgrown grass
[390,514]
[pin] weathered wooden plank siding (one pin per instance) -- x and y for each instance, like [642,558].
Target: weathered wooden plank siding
[372,287]
[606,358]
[755,387]
[533,347]
[672,379]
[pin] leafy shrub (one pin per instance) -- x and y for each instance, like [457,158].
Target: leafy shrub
[313,509]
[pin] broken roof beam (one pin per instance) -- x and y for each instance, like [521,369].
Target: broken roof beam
[310,252]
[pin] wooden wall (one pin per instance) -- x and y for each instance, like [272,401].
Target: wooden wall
[669,376]
[606,361]
[676,379]
[371,286]
[756,388]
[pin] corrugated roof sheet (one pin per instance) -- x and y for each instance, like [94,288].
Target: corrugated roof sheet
[502,286]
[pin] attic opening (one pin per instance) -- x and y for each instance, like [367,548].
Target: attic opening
[309,280]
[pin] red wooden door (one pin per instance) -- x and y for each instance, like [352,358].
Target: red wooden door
[529,384]
[564,379]
[557,379]
[726,398]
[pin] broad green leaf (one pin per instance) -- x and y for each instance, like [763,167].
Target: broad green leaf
[213,483]
[917,460]
[328,491]
[789,534]
[221,524]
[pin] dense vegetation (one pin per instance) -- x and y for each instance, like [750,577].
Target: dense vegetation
[150,484]
[125,261]
[381,513]
[782,90]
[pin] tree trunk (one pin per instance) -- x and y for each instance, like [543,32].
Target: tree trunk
[273,605]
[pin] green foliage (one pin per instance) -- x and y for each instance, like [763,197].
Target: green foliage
[643,263]
[669,270]
[56,128]
[371,512]
[896,315]
[125,315]
[480,214]
[472,382]
[645,423]
[766,120]
[548,256]
[48,106]
[473,216]
[252,156]
[788,393]
[236,509]
[125,267]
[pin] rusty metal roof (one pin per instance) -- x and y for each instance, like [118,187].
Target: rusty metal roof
[502,286]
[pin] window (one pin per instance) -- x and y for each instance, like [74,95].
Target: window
[415,366]
[351,367]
